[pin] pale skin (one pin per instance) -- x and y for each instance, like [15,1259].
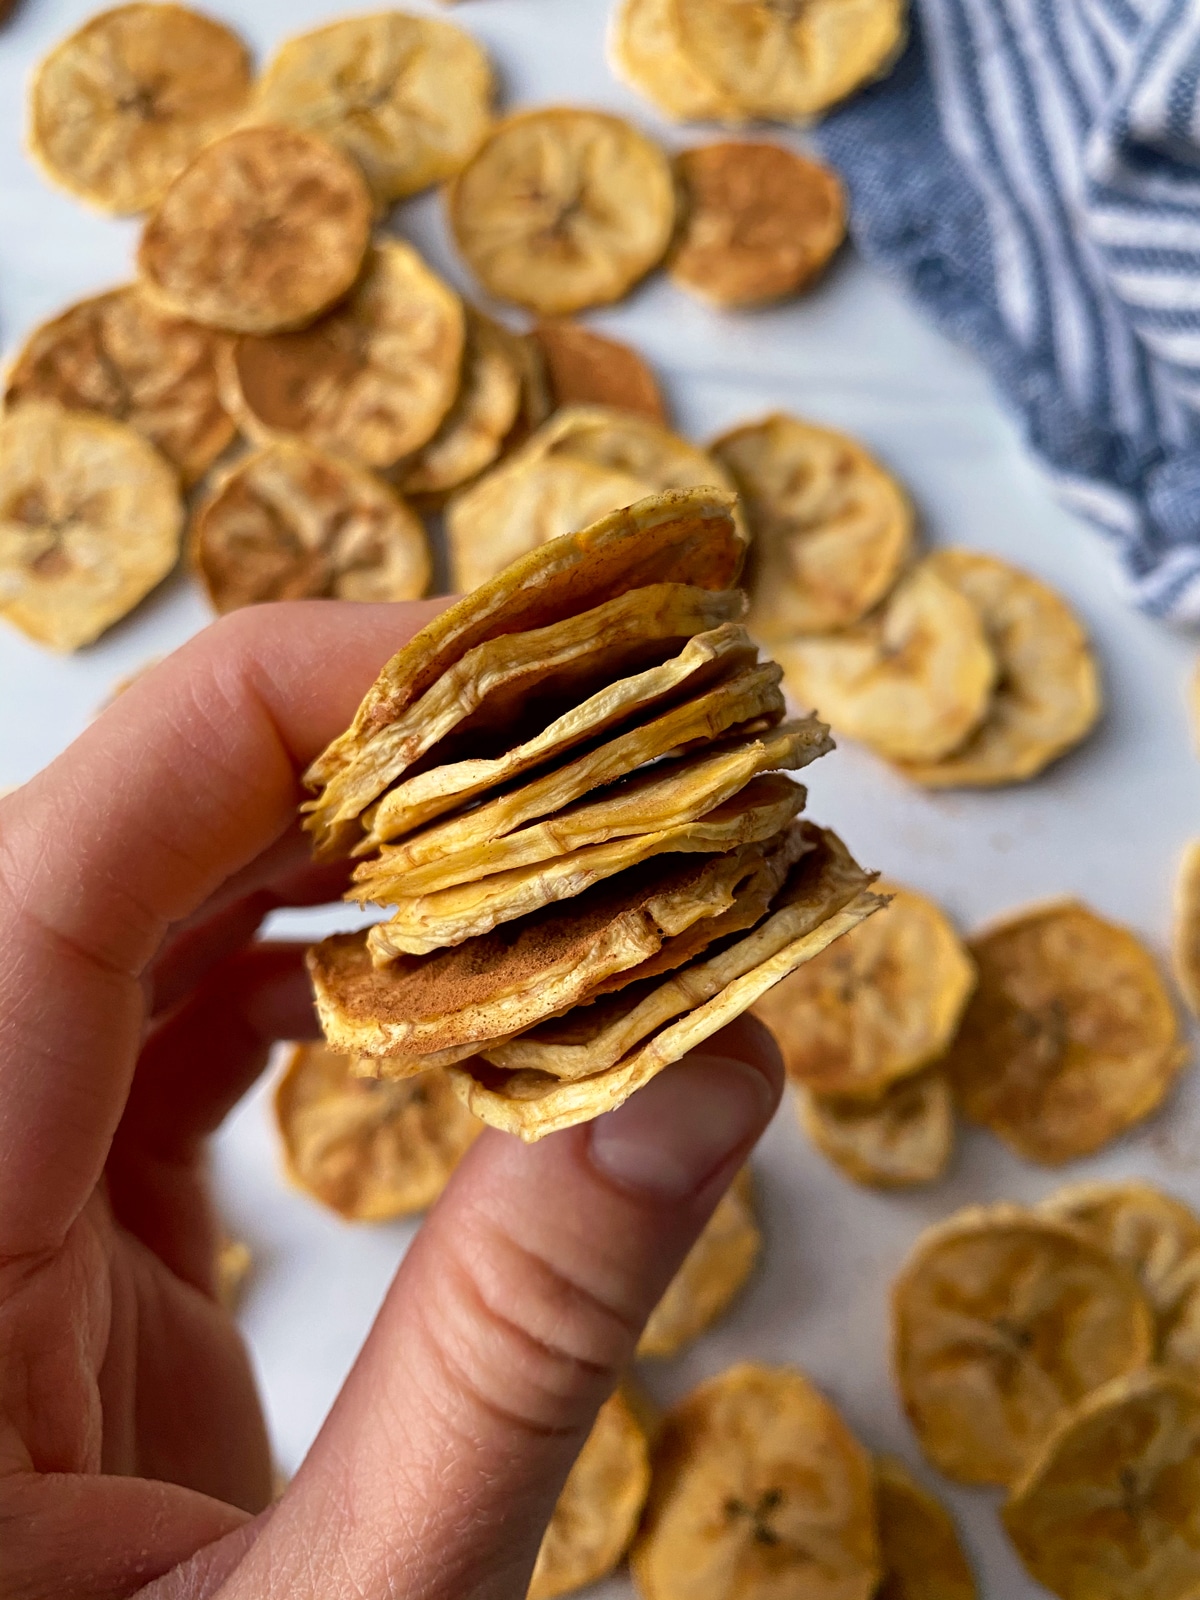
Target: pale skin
[135,1010]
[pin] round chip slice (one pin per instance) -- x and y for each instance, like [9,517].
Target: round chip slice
[373,380]
[291,523]
[881,1003]
[1185,933]
[644,50]
[90,522]
[912,680]
[831,528]
[922,1556]
[760,222]
[902,1140]
[1001,1321]
[714,1271]
[122,105]
[408,97]
[562,209]
[263,230]
[584,368]
[1070,1037]
[759,1488]
[1047,695]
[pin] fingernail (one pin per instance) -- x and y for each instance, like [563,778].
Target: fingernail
[672,1136]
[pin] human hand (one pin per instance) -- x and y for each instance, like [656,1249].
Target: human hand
[135,1009]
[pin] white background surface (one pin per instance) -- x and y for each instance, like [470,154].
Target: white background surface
[1107,824]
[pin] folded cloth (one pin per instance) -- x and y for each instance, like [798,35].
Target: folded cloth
[1031,172]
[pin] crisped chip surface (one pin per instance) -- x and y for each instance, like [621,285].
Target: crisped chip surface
[644,49]
[292,523]
[368,1148]
[713,1273]
[372,380]
[831,528]
[760,222]
[1185,931]
[881,1003]
[1070,1037]
[408,97]
[1047,695]
[561,209]
[122,105]
[1001,1321]
[263,230]
[1109,1509]
[918,1542]
[90,522]
[585,368]
[760,1492]
[901,1140]
[118,355]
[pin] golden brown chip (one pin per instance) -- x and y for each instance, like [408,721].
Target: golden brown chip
[883,1002]
[831,528]
[1185,933]
[1047,695]
[368,1148]
[234,1262]
[713,1273]
[902,1139]
[1071,1036]
[644,49]
[922,1556]
[292,523]
[90,522]
[409,98]
[1001,1321]
[759,1488]
[912,680]
[263,230]
[118,355]
[373,380]
[759,222]
[584,368]
[1109,1509]
[122,105]
[560,209]
[597,1512]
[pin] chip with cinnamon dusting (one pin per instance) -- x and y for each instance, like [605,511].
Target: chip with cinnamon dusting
[585,368]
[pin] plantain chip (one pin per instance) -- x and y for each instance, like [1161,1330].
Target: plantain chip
[1185,932]
[903,1139]
[923,1558]
[584,368]
[645,50]
[713,1273]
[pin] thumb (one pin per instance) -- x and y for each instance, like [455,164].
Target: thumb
[518,1305]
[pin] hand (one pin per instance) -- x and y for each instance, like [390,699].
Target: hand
[135,1009]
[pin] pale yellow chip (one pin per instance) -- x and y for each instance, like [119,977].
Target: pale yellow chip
[912,680]
[118,355]
[884,1002]
[233,1267]
[561,209]
[903,1139]
[644,49]
[122,105]
[263,230]
[598,1510]
[1109,1509]
[1002,1320]
[373,380]
[368,1148]
[1185,931]
[90,522]
[713,1274]
[408,97]
[831,528]
[292,523]
[1070,1037]
[1047,695]
[759,1490]
[923,1558]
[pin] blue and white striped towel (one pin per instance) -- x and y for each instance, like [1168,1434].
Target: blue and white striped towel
[1031,171]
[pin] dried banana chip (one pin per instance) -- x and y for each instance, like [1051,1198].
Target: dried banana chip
[713,1273]
[373,380]
[409,98]
[623,441]
[1185,933]
[291,523]
[367,1148]
[759,1489]
[901,1140]
[912,680]
[90,522]
[1109,1509]
[644,49]
[759,222]
[923,1558]
[117,355]
[1047,695]
[122,105]
[234,1262]
[1002,1320]
[263,230]
[884,1002]
[584,368]
[561,209]
[1070,1037]
[598,1510]
[831,528]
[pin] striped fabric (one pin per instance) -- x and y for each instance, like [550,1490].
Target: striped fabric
[1031,171]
